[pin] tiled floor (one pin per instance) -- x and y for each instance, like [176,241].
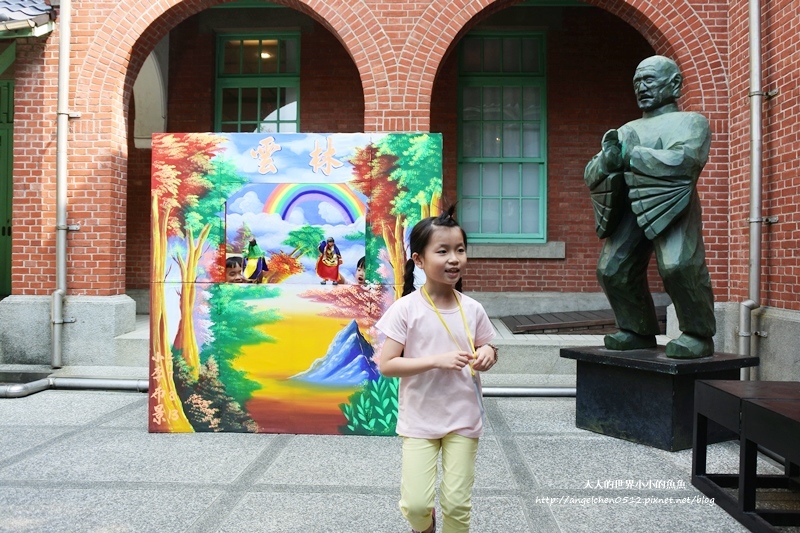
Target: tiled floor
[84,461]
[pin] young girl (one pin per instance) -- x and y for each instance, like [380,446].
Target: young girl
[437,339]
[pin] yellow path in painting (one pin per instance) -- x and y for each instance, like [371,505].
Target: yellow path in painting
[287,405]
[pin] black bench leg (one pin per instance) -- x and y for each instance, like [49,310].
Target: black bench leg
[747,475]
[700,445]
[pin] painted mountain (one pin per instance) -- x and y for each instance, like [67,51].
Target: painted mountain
[347,363]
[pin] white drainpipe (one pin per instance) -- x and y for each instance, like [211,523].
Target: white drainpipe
[756,222]
[62,132]
[754,267]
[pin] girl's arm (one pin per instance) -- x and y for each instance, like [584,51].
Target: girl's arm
[394,366]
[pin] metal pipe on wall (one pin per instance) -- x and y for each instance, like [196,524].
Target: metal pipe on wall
[754,264]
[62,130]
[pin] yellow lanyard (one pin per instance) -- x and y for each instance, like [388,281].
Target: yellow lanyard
[463,317]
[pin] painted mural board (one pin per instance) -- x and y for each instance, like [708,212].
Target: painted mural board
[284,352]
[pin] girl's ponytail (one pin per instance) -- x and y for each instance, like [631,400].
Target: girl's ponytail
[408,278]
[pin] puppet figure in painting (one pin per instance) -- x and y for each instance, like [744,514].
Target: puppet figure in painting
[329,260]
[255,264]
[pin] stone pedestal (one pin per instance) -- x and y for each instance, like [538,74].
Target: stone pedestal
[643,396]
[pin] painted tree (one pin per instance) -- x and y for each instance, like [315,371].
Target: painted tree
[401,174]
[418,170]
[365,305]
[281,266]
[304,240]
[203,216]
[236,322]
[372,178]
[178,174]
[239,241]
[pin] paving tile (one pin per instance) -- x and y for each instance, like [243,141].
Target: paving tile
[63,408]
[113,455]
[573,461]
[337,460]
[59,510]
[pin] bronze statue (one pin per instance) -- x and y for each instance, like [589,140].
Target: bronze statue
[643,187]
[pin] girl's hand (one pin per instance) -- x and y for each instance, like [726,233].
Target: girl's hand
[485,358]
[455,360]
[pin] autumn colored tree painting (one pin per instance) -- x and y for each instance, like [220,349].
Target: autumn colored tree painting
[284,352]
[403,176]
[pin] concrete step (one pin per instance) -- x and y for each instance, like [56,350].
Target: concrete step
[133,349]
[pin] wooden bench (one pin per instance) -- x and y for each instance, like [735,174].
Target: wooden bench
[765,413]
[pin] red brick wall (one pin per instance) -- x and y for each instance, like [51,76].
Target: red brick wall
[780,281]
[396,62]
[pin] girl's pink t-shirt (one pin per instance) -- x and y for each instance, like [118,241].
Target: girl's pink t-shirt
[436,402]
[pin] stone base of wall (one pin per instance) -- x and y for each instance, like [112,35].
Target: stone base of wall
[26,332]
[142,299]
[777,330]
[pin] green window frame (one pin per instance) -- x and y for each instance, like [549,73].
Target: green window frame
[258,83]
[502,137]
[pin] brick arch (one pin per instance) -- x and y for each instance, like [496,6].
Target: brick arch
[673,29]
[112,60]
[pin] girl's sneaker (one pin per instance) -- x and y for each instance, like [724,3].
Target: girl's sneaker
[432,528]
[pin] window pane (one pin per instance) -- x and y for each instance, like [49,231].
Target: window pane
[531,103]
[510,216]
[530,179]
[510,179]
[530,55]
[269,104]
[468,217]
[511,140]
[291,50]
[492,55]
[287,127]
[531,140]
[249,126]
[512,101]
[268,127]
[230,105]
[289,105]
[249,105]
[230,127]
[471,179]
[471,140]
[511,55]
[491,179]
[492,101]
[231,57]
[491,140]
[530,220]
[471,61]
[490,216]
[250,56]
[471,103]
[269,57]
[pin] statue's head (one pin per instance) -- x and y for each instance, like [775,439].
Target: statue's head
[656,82]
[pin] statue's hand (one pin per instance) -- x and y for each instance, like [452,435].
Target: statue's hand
[629,140]
[611,152]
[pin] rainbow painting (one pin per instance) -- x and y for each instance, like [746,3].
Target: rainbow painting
[266,285]
[286,196]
